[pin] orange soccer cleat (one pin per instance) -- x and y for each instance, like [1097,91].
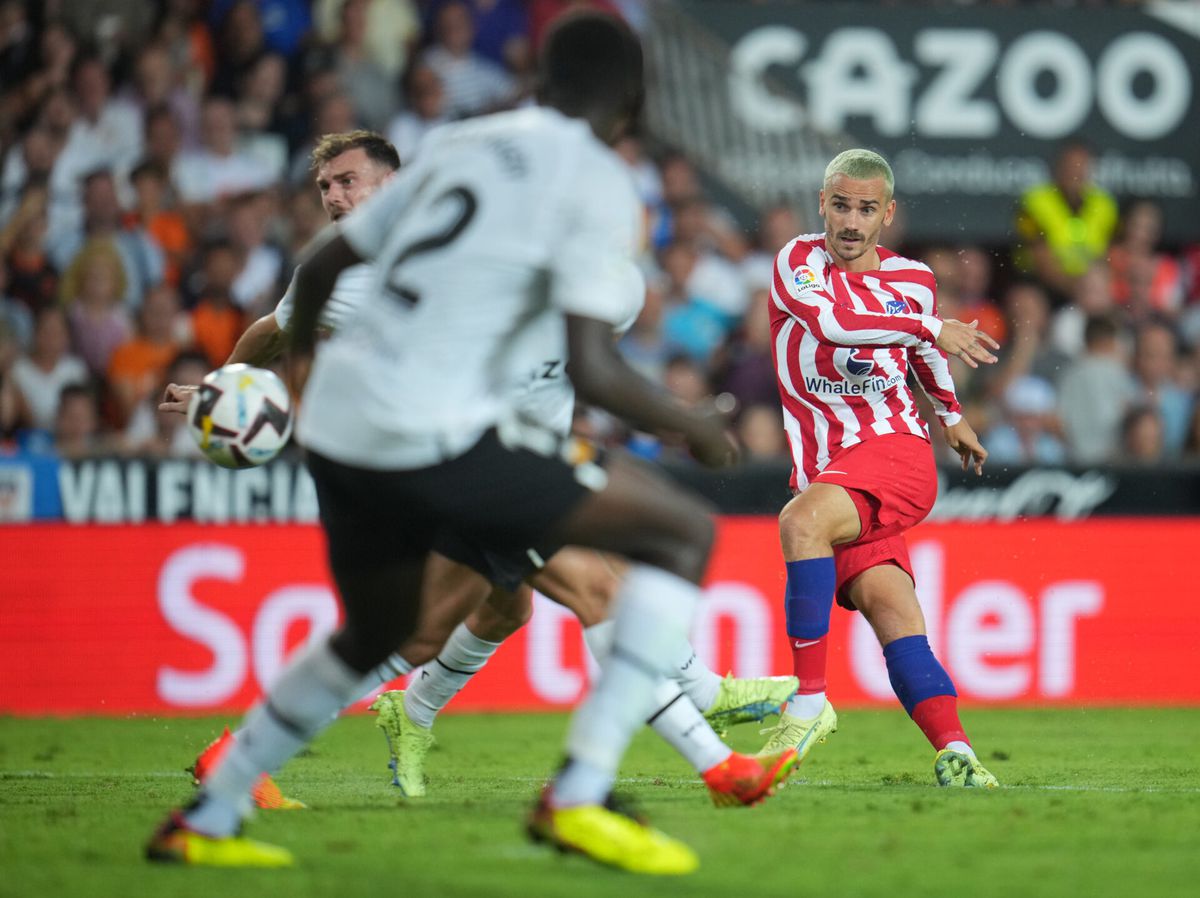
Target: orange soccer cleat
[266,794]
[748,779]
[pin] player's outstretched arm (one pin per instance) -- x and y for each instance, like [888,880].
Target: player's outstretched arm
[262,343]
[603,378]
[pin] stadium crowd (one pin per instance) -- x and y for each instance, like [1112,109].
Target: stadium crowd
[155,188]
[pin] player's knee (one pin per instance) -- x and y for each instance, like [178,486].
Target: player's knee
[800,530]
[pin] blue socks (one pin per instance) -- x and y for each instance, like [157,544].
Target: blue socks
[915,674]
[808,599]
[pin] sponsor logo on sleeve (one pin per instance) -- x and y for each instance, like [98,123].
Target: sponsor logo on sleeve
[804,279]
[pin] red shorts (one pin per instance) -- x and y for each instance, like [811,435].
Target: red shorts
[893,482]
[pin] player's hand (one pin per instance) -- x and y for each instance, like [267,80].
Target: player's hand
[710,440]
[176,398]
[962,439]
[967,342]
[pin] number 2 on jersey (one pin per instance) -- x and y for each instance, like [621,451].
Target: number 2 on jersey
[467,206]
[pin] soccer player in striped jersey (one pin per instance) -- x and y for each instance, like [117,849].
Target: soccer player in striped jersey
[850,320]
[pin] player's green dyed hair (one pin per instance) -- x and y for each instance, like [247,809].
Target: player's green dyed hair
[861,165]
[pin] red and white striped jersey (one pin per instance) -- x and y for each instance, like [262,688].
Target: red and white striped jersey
[843,345]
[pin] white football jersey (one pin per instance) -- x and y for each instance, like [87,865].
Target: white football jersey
[498,221]
[352,287]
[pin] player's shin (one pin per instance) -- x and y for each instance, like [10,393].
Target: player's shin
[807,605]
[654,609]
[304,700]
[926,692]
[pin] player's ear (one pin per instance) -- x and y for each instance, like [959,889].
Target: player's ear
[821,201]
[890,212]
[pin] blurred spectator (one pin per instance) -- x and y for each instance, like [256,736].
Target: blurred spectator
[278,25]
[975,292]
[1094,394]
[1067,224]
[111,128]
[154,211]
[31,277]
[164,139]
[138,365]
[77,424]
[1092,296]
[239,42]
[426,109]
[40,376]
[184,33]
[48,158]
[1143,279]
[760,433]
[261,111]
[1029,349]
[18,51]
[685,379]
[15,316]
[369,85]
[1142,436]
[91,290]
[777,227]
[216,321]
[392,30]
[703,304]
[472,83]
[56,52]
[502,33]
[142,261]
[1028,437]
[220,167]
[746,367]
[1155,357]
[155,433]
[156,83]
[261,264]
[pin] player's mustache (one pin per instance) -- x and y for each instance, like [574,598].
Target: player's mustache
[850,235]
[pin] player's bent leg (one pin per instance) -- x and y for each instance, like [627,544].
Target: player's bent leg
[810,525]
[668,535]
[887,598]
[581,580]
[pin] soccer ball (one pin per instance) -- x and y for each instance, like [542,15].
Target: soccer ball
[240,416]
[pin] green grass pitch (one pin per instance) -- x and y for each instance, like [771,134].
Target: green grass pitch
[1096,802]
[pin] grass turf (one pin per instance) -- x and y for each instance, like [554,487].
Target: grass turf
[1096,802]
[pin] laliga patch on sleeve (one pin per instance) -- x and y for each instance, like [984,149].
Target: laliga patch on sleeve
[804,279]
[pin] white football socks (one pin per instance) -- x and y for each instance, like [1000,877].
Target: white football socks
[684,728]
[305,699]
[463,656]
[695,677]
[960,746]
[653,610]
[805,707]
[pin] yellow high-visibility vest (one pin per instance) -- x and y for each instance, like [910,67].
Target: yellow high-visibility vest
[1076,237]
